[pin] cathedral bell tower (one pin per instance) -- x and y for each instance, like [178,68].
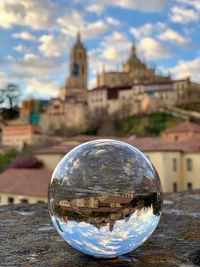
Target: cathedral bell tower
[78,63]
[76,84]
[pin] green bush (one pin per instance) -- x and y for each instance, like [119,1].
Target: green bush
[6,158]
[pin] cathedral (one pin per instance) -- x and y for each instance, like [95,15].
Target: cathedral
[135,88]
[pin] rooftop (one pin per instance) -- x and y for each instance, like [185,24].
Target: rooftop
[184,127]
[146,144]
[29,238]
[71,142]
[117,199]
[25,182]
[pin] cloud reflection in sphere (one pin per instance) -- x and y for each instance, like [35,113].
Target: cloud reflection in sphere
[105,198]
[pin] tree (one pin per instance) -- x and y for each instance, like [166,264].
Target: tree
[6,158]
[9,95]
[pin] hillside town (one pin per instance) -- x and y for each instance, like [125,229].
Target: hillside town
[135,89]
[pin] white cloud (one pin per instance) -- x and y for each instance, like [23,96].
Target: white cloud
[147,29]
[35,14]
[20,48]
[89,30]
[187,68]
[111,52]
[112,21]
[94,29]
[41,89]
[34,66]
[71,22]
[92,83]
[175,37]
[194,3]
[107,54]
[183,15]
[95,8]
[153,49]
[30,56]
[143,6]
[24,36]
[52,46]
[3,79]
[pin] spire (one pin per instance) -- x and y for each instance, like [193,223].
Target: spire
[133,50]
[78,36]
[78,42]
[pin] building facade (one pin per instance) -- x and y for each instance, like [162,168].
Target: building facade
[18,136]
[24,186]
[175,155]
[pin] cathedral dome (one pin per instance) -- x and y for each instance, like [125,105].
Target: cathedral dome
[133,60]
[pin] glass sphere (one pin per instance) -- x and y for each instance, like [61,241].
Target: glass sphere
[105,198]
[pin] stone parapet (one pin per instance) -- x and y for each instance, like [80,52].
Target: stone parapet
[29,239]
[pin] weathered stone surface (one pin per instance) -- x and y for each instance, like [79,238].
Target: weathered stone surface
[29,239]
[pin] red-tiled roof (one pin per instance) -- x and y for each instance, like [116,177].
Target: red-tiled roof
[62,149]
[117,199]
[74,141]
[184,127]
[86,138]
[30,182]
[158,144]
[142,143]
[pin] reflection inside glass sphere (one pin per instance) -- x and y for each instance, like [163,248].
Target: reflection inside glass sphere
[105,198]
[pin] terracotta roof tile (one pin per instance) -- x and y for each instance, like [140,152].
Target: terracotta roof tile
[60,149]
[142,143]
[184,127]
[75,141]
[158,144]
[117,199]
[31,182]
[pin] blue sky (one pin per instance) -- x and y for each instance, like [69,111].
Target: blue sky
[36,36]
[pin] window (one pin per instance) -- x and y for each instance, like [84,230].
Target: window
[175,187]
[189,186]
[56,106]
[174,161]
[41,202]
[24,201]
[189,164]
[10,200]
[176,137]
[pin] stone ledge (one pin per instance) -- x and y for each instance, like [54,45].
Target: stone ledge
[29,239]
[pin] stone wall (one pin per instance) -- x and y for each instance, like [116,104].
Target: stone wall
[28,238]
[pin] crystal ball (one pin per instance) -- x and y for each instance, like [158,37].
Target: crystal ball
[105,198]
